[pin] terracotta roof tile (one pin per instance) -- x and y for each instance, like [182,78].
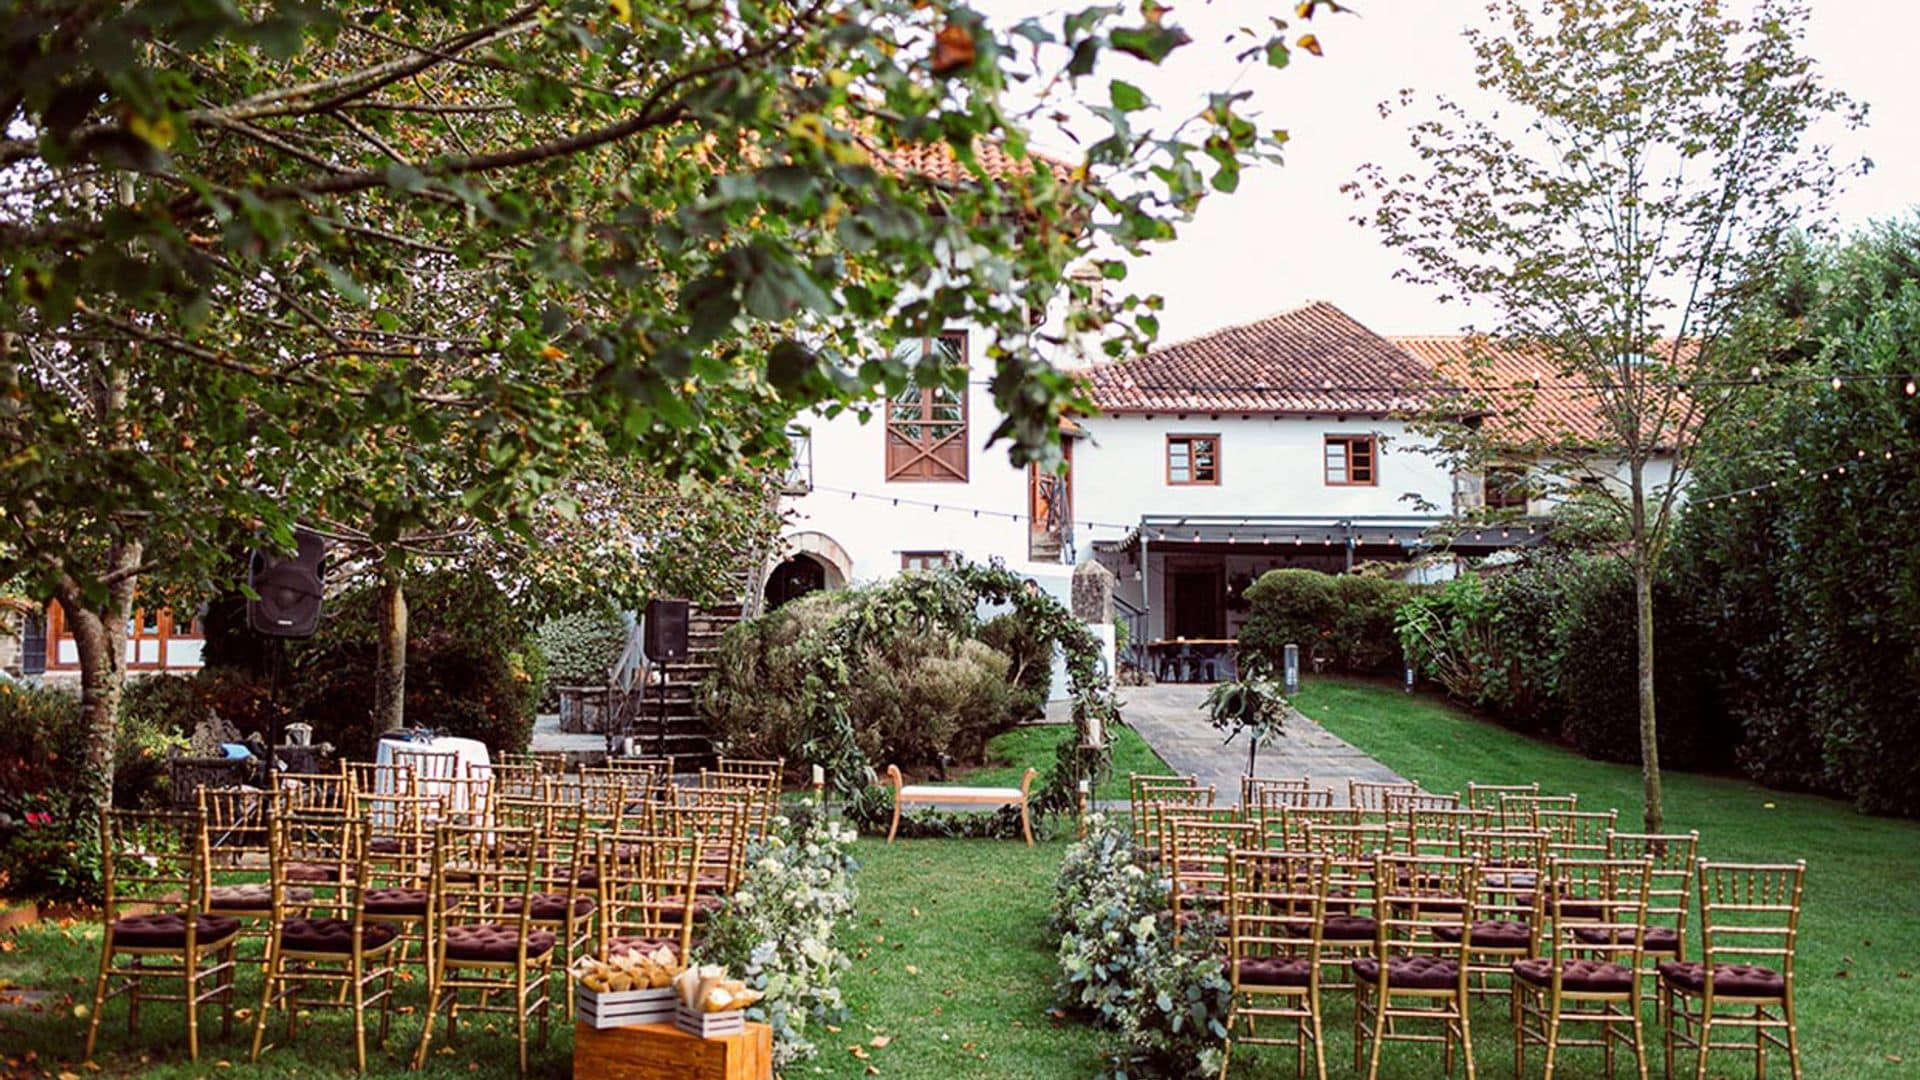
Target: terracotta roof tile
[1527,397]
[1311,360]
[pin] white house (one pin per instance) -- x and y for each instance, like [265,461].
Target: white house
[1557,434]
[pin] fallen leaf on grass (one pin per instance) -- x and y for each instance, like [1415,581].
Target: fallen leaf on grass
[879,1042]
[911,970]
[859,1051]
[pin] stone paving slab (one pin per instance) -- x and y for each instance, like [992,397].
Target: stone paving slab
[1173,720]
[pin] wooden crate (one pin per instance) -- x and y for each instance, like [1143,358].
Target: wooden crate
[624,1008]
[664,1052]
[710,1025]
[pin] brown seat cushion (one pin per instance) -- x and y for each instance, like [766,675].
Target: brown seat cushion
[332,936]
[492,943]
[1410,972]
[253,899]
[395,902]
[622,945]
[550,907]
[1580,976]
[704,905]
[1729,980]
[169,931]
[1339,928]
[1275,971]
[309,871]
[1489,934]
[587,878]
[1660,939]
[385,845]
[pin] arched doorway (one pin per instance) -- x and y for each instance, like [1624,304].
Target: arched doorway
[799,575]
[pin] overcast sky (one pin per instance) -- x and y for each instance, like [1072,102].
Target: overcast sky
[1286,236]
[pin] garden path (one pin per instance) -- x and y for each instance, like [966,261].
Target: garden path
[1173,720]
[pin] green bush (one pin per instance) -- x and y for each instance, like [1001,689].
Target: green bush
[1030,657]
[883,673]
[1347,620]
[49,842]
[582,647]
[1488,639]
[472,669]
[157,715]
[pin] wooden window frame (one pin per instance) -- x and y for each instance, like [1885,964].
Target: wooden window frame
[1347,443]
[164,631]
[921,449]
[1189,438]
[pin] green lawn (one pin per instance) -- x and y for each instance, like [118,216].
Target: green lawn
[1010,753]
[1859,998]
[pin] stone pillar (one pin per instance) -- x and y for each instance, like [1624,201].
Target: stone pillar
[1093,593]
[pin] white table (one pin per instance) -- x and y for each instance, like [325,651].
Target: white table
[474,762]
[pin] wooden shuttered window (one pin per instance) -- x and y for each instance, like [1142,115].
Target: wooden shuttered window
[1352,461]
[927,426]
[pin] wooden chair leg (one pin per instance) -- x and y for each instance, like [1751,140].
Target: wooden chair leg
[1793,1038]
[193,1006]
[1026,824]
[270,973]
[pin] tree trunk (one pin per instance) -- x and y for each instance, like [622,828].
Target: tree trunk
[1654,811]
[390,668]
[100,638]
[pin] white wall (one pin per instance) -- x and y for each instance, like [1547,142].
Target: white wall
[1556,479]
[1267,466]
[849,455]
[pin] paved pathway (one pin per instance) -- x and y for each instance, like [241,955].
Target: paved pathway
[1171,718]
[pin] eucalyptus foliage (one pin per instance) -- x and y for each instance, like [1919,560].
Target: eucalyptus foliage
[1631,185]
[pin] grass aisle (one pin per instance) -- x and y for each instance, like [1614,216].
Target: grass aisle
[953,967]
[1858,970]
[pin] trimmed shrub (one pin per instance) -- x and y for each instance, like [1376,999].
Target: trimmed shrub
[581,647]
[472,669]
[49,840]
[1348,620]
[1030,656]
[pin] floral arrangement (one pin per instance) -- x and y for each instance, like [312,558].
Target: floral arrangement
[778,930]
[1120,967]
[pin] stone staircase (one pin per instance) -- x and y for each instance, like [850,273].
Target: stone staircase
[672,696]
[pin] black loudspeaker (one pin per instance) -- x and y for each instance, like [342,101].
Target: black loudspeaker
[289,588]
[666,637]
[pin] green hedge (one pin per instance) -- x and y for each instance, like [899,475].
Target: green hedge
[1348,619]
[582,647]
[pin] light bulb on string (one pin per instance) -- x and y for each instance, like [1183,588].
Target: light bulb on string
[1911,388]
[1836,382]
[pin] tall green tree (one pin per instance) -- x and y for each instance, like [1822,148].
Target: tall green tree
[234,239]
[1635,173]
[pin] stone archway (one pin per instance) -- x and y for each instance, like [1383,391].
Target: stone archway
[806,562]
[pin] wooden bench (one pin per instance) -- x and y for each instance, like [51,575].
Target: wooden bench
[978,796]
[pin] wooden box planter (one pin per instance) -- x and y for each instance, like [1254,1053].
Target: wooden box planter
[624,1008]
[664,1052]
[710,1025]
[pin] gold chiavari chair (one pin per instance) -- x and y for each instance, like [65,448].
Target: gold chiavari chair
[1276,906]
[1749,929]
[155,920]
[770,770]
[1582,981]
[1413,975]
[1487,796]
[660,766]
[1435,831]
[718,822]
[1577,834]
[644,882]
[235,826]
[1252,787]
[561,903]
[1350,925]
[604,809]
[760,795]
[385,778]
[1401,803]
[1517,811]
[1370,796]
[398,868]
[1198,847]
[1669,895]
[544,762]
[480,946]
[1509,916]
[518,780]
[1139,782]
[429,765]
[312,793]
[321,935]
[1295,820]
[1157,799]
[642,786]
